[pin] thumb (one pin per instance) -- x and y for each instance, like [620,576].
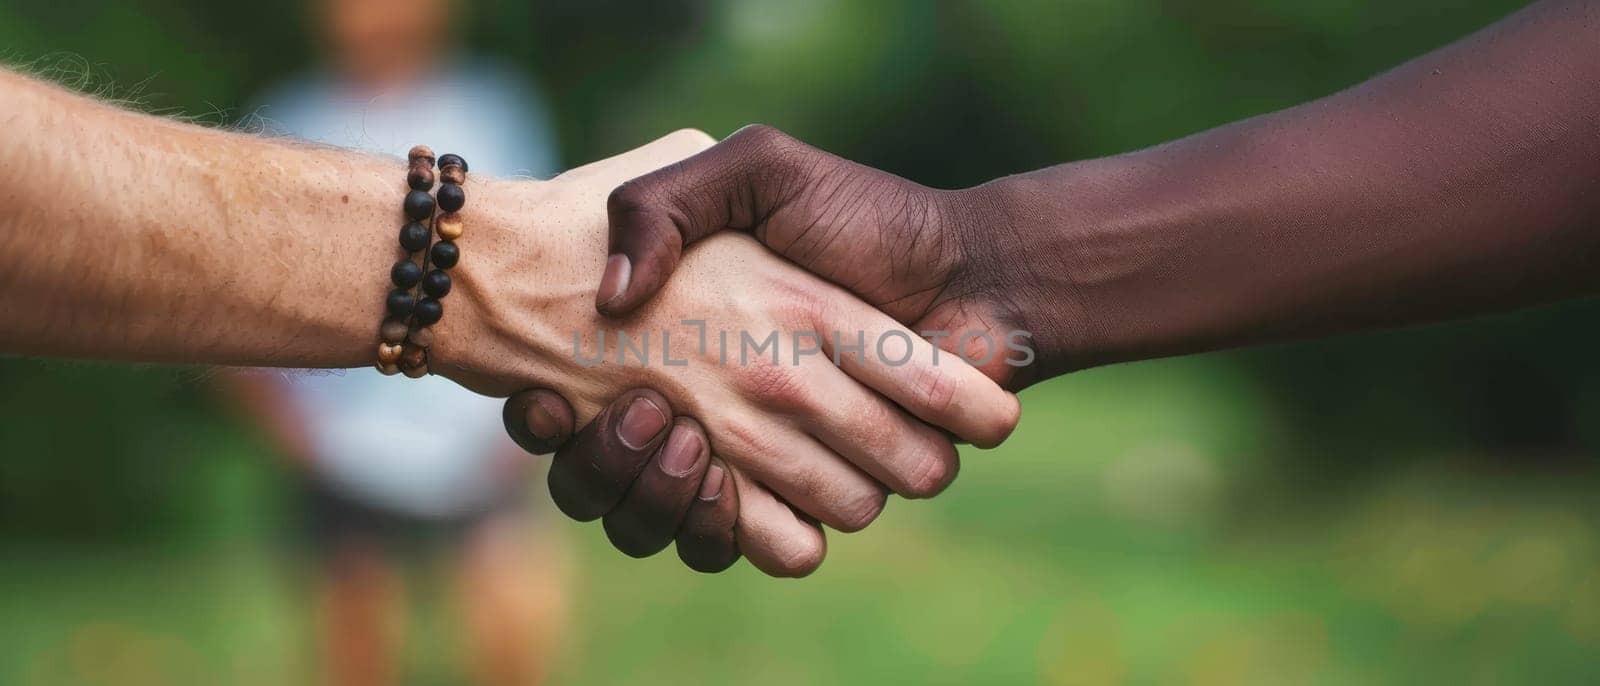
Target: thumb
[539,420]
[735,184]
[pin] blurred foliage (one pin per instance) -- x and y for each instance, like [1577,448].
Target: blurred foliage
[1402,507]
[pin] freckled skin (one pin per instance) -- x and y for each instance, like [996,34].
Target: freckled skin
[189,264]
[250,255]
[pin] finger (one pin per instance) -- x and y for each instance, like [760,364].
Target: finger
[734,184]
[706,539]
[775,539]
[648,516]
[590,475]
[809,476]
[538,419]
[911,458]
[937,386]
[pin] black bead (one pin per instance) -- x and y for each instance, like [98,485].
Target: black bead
[405,273]
[419,205]
[451,197]
[414,236]
[452,158]
[445,254]
[429,311]
[436,284]
[401,303]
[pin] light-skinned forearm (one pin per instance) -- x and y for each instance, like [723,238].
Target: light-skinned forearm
[134,237]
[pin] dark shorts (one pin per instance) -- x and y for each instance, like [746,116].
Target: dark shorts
[331,518]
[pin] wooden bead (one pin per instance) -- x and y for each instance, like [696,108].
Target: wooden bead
[436,283]
[418,205]
[451,197]
[400,304]
[393,331]
[405,273]
[445,254]
[451,158]
[414,236]
[421,337]
[428,311]
[453,173]
[388,368]
[420,153]
[388,353]
[420,178]
[413,356]
[449,226]
[416,372]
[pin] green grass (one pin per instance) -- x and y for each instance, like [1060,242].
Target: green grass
[1121,537]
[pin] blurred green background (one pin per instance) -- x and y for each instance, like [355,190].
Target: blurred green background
[1403,507]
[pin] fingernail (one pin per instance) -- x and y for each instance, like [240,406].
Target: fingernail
[712,486]
[618,271]
[641,423]
[541,423]
[682,452]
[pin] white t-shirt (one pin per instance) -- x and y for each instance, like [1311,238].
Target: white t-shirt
[426,447]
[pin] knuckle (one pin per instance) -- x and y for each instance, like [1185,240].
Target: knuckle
[629,198]
[761,137]
[802,558]
[936,390]
[692,139]
[744,436]
[846,509]
[778,385]
[808,480]
[770,149]
[862,512]
[934,473]
[799,301]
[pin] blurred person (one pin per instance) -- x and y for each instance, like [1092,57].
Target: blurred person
[386,501]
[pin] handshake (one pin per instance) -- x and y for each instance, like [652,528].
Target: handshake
[772,390]
[758,338]
[873,322]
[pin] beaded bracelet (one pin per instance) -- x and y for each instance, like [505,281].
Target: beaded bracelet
[404,337]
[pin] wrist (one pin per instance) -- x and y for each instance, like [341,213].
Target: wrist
[1138,256]
[522,287]
[1020,239]
[469,339]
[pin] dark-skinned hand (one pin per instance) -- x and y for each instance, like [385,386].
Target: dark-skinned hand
[936,260]
[596,474]
[904,248]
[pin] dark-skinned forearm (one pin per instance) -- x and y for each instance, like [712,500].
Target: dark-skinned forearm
[1464,182]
